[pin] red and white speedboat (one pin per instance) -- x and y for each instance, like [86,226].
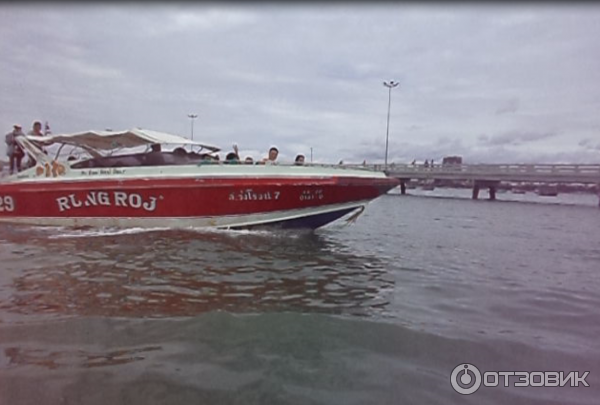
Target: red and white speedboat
[105,187]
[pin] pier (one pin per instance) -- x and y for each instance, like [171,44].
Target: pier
[490,175]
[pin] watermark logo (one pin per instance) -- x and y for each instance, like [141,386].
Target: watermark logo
[466,378]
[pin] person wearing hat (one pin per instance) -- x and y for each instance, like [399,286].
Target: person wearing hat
[36,130]
[14,151]
[271,159]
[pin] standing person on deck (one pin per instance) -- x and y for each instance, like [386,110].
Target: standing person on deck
[13,150]
[36,130]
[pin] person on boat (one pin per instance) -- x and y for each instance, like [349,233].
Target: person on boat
[155,156]
[232,158]
[249,160]
[180,155]
[36,130]
[299,161]
[14,151]
[272,158]
[207,158]
[180,151]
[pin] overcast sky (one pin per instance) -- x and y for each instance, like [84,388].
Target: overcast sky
[493,83]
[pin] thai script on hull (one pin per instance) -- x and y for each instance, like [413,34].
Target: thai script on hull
[250,195]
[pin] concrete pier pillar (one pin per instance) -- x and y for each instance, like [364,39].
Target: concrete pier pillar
[475,194]
[492,186]
[402,187]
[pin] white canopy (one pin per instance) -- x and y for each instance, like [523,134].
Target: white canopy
[107,140]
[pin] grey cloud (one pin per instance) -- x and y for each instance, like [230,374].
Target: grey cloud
[588,144]
[514,138]
[405,153]
[303,75]
[511,106]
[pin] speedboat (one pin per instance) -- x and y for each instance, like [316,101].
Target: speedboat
[129,179]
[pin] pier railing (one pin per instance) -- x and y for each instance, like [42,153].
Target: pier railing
[550,173]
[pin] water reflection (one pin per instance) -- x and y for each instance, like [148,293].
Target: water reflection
[61,358]
[183,273]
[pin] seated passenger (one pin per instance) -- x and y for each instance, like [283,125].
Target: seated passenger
[207,158]
[180,155]
[272,158]
[249,160]
[155,156]
[299,160]
[232,158]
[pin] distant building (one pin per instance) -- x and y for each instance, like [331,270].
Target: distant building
[452,160]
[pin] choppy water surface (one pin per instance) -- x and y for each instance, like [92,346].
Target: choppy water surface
[376,313]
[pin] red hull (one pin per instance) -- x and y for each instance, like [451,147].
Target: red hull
[184,197]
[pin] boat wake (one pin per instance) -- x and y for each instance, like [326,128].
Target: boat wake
[68,233]
[95,232]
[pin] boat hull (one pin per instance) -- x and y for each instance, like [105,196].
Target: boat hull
[191,201]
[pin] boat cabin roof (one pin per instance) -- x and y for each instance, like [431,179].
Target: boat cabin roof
[109,140]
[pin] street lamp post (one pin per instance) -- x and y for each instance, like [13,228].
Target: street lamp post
[390,85]
[192,117]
